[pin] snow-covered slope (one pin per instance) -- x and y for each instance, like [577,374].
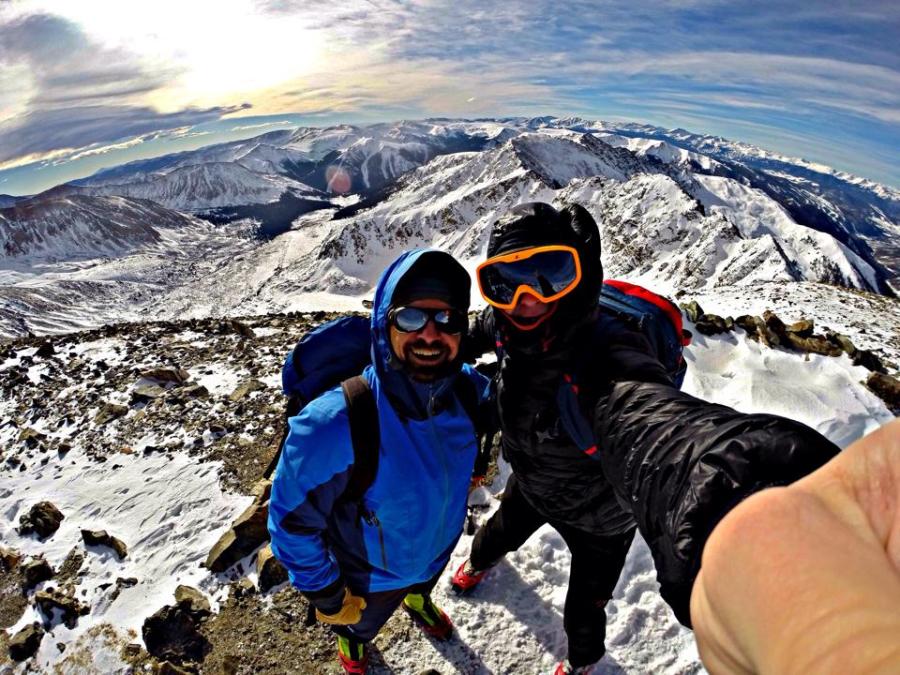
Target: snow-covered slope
[79,226]
[670,216]
[208,185]
[155,477]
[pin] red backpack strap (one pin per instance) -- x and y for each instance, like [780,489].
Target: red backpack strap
[666,305]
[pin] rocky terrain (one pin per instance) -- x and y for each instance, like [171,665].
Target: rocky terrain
[132,505]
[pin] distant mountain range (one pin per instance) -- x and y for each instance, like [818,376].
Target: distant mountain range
[329,207]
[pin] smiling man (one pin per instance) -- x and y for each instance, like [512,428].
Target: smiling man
[357,557]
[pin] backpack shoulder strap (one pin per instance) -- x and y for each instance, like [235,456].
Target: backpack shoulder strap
[365,435]
[467,395]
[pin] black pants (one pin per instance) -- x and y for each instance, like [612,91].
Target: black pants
[596,564]
[379,607]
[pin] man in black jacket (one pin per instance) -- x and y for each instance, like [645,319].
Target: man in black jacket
[663,461]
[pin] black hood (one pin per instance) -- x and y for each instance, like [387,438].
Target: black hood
[539,224]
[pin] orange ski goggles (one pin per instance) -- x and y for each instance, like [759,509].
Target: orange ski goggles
[546,272]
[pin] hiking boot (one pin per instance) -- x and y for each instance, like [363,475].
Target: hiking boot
[353,655]
[466,578]
[566,668]
[428,616]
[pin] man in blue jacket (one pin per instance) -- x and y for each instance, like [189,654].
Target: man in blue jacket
[357,562]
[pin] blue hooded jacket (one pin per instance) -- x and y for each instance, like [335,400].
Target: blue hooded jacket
[418,498]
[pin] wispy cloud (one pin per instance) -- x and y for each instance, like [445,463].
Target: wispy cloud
[739,66]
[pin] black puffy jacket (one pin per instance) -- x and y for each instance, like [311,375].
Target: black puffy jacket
[667,461]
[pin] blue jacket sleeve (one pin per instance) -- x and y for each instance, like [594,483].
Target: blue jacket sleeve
[312,474]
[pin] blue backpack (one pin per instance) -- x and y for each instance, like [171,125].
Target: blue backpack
[658,319]
[335,353]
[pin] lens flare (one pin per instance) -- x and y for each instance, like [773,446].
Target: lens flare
[338,180]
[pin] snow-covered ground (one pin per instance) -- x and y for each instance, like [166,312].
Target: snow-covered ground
[169,509]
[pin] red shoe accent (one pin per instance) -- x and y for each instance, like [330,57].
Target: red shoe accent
[463,582]
[352,667]
[442,630]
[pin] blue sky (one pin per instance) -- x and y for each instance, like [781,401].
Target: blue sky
[95,83]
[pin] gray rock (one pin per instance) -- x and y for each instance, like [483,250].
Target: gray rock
[192,601]
[269,570]
[244,389]
[43,519]
[24,644]
[887,388]
[173,375]
[711,324]
[109,412]
[171,634]
[692,310]
[803,328]
[35,571]
[103,538]
[71,608]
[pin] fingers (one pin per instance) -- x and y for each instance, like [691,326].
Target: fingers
[805,578]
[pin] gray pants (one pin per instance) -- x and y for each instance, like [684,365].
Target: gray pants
[379,607]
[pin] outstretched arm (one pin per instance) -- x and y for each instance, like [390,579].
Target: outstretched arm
[681,464]
[806,578]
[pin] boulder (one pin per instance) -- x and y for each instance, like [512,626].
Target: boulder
[146,391]
[815,344]
[241,329]
[245,388]
[869,361]
[173,375]
[171,634]
[35,571]
[269,570]
[803,328]
[192,601]
[103,538]
[71,608]
[774,324]
[842,341]
[46,349]
[692,310]
[43,519]
[195,391]
[24,644]
[262,489]
[711,324]
[31,437]
[9,559]
[109,412]
[887,388]
[247,534]
[748,323]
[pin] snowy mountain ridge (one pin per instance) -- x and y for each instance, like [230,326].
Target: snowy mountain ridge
[331,206]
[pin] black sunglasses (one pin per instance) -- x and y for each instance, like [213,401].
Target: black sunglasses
[413,319]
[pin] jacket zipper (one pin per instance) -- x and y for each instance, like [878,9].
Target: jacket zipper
[372,519]
[441,455]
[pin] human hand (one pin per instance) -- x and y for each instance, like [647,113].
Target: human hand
[806,578]
[349,613]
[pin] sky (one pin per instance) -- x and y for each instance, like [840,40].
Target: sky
[86,84]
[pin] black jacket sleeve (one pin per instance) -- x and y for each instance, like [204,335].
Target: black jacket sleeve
[682,463]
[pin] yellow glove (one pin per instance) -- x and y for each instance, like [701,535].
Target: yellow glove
[349,613]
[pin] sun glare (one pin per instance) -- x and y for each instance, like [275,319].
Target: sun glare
[219,52]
